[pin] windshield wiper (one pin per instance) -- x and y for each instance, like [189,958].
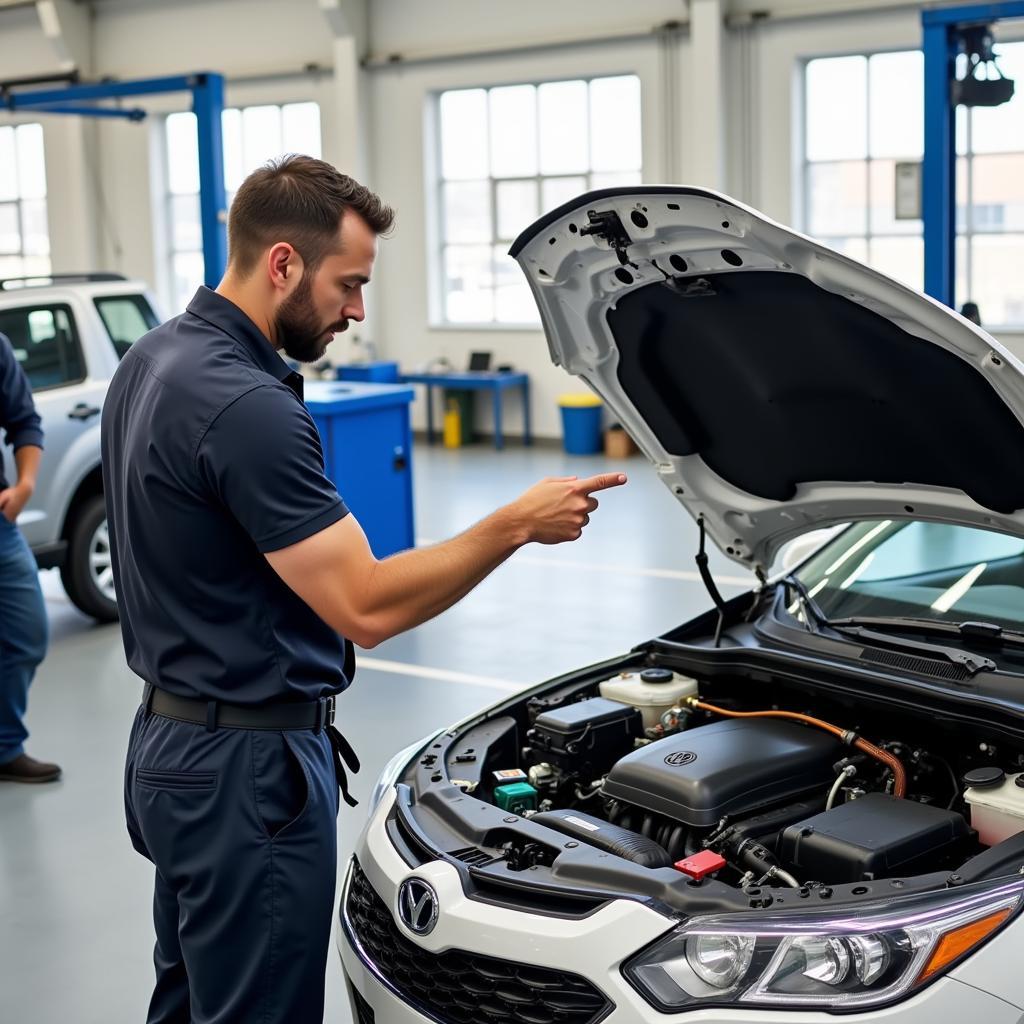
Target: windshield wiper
[866,629]
[988,631]
[814,617]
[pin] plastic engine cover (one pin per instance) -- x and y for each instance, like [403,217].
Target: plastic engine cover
[727,768]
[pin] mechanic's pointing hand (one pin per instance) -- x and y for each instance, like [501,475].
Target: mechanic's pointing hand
[557,509]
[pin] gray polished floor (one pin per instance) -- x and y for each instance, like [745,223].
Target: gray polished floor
[75,932]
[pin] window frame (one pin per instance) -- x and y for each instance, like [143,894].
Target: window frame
[437,242]
[868,235]
[75,338]
[18,202]
[168,252]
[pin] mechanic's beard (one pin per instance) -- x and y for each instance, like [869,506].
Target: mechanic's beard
[300,332]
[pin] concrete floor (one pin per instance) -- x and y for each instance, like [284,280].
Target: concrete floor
[75,928]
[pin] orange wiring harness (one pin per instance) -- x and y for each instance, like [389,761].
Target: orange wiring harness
[892,763]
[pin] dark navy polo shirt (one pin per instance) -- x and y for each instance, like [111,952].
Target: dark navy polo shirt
[18,417]
[211,459]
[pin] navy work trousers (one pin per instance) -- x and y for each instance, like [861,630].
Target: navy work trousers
[241,826]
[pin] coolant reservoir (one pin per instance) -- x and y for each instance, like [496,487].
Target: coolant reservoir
[997,803]
[652,692]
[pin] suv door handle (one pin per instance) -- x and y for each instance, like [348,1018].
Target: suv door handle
[84,412]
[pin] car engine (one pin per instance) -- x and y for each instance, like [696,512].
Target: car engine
[751,797]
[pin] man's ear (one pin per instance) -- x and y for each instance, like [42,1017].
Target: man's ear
[284,266]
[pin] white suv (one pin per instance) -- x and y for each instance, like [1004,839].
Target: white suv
[808,801]
[68,333]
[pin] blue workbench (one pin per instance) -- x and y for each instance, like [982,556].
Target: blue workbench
[476,380]
[367,442]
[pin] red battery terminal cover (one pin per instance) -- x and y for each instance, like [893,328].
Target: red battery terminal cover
[707,862]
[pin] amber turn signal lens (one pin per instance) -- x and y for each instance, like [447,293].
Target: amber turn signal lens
[959,941]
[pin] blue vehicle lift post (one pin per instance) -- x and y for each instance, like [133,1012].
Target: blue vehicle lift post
[942,30]
[207,90]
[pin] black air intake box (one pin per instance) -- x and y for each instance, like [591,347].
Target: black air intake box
[733,767]
[877,836]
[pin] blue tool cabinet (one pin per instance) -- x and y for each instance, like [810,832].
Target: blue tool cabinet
[372,373]
[367,443]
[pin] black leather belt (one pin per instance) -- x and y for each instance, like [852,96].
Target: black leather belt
[317,715]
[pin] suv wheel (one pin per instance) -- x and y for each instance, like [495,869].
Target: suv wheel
[87,572]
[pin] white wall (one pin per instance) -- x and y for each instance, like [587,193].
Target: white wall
[403,170]
[104,179]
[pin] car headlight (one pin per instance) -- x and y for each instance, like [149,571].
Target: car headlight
[394,768]
[846,959]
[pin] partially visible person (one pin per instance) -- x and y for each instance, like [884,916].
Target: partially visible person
[23,626]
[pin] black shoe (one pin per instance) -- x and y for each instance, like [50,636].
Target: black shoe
[27,769]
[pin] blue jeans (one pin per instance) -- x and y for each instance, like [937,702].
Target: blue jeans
[23,634]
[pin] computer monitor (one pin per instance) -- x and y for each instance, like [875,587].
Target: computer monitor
[479,361]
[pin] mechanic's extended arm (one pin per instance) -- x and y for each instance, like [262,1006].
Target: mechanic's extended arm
[369,601]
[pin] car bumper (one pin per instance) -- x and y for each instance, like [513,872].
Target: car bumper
[592,947]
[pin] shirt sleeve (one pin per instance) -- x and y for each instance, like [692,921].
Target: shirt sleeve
[18,415]
[263,460]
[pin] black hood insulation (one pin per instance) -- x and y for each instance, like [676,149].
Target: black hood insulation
[775,382]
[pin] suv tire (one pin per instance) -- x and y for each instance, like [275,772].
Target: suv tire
[86,539]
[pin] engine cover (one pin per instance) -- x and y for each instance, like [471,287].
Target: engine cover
[729,768]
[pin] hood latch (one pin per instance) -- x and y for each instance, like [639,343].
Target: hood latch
[607,225]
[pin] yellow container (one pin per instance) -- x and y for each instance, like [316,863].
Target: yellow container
[452,425]
[574,401]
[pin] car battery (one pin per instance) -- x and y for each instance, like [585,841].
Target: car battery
[588,734]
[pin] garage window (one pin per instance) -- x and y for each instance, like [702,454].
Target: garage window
[863,115]
[252,135]
[24,232]
[504,156]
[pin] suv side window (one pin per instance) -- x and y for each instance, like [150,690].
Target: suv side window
[126,318]
[45,343]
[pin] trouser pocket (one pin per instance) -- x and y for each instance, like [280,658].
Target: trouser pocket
[153,778]
[281,783]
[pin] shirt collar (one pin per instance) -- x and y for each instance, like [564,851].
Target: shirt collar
[222,313]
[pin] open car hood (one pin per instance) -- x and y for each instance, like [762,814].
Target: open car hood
[776,385]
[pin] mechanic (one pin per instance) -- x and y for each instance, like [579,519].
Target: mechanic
[239,570]
[23,626]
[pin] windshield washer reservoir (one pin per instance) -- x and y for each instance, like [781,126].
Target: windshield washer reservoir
[997,811]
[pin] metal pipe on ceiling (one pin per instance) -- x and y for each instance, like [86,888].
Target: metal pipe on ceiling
[400,60]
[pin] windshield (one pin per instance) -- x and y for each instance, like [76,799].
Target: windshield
[934,571]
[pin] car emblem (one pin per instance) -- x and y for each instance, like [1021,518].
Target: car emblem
[417,906]
[681,757]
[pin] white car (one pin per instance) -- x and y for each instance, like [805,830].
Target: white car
[69,332]
[808,801]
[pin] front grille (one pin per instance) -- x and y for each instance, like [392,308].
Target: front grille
[459,987]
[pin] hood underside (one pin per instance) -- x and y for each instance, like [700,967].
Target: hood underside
[776,385]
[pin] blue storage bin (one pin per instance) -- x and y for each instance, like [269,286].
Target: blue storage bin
[371,373]
[367,442]
[581,424]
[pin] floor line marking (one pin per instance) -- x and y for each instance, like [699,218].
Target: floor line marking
[400,668]
[686,575]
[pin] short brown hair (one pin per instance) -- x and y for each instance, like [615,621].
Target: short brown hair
[299,200]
